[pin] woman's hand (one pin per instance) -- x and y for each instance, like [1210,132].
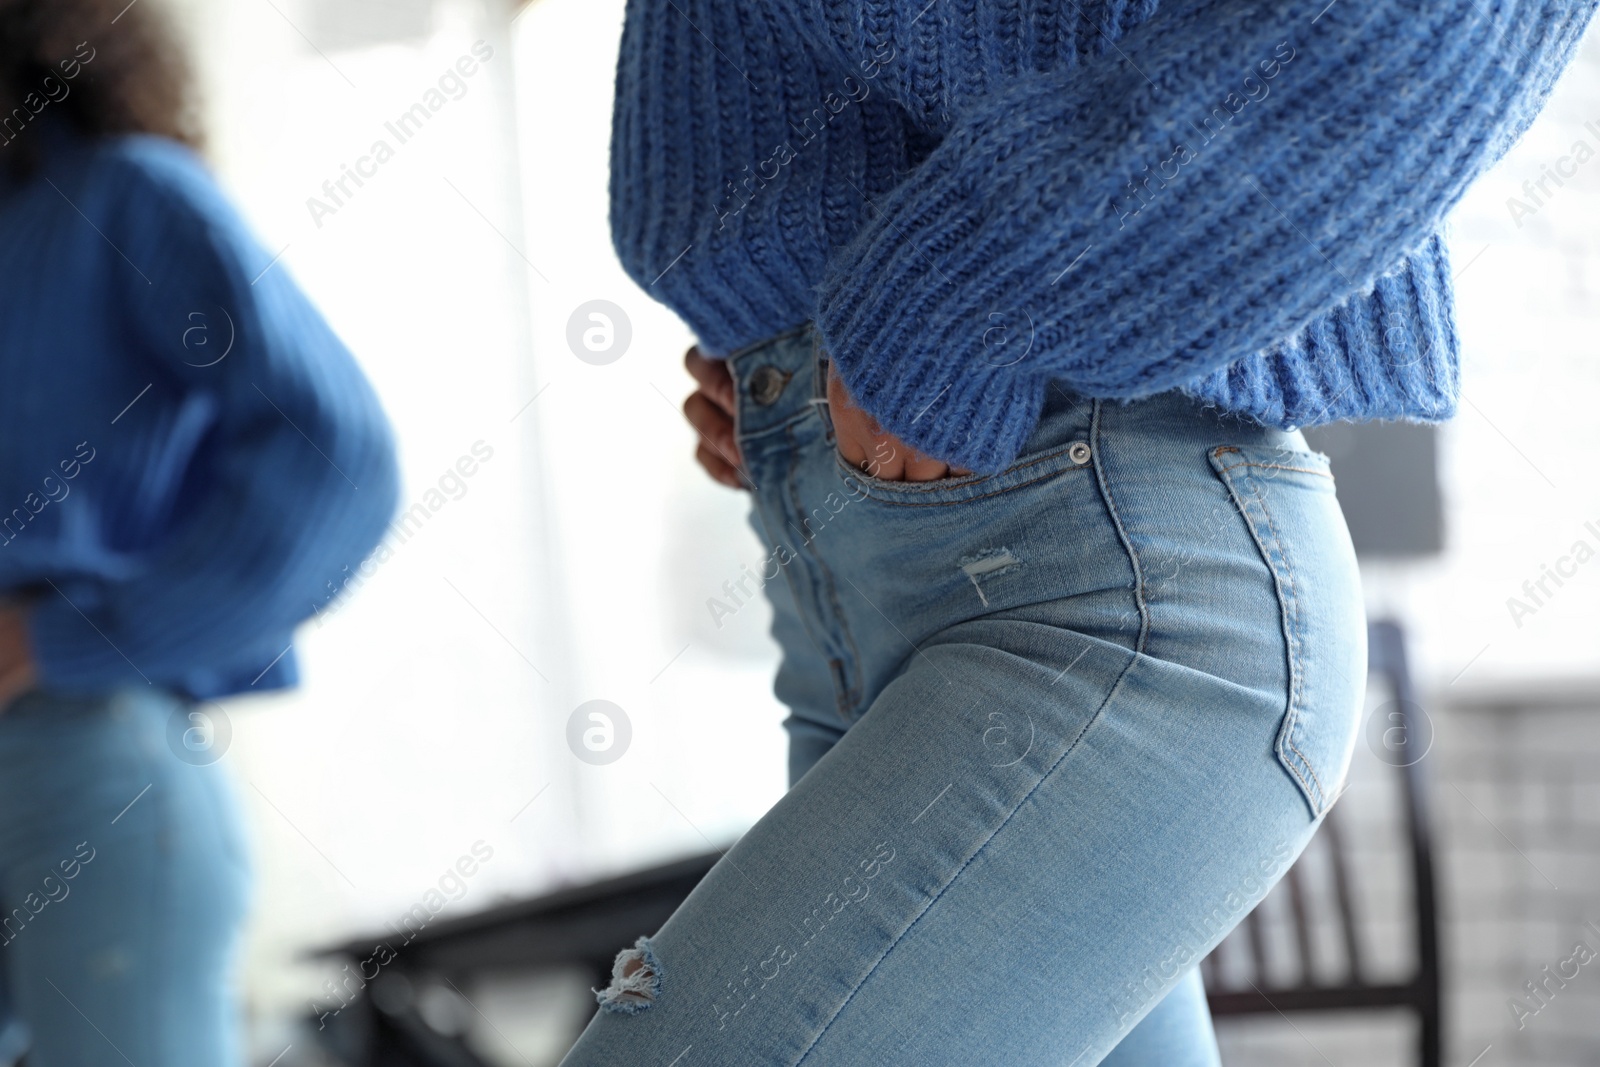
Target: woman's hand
[17,671]
[863,442]
[709,410]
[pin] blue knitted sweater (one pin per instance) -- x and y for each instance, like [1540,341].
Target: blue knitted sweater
[191,458]
[974,198]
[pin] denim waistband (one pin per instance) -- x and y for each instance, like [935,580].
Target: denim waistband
[778,379]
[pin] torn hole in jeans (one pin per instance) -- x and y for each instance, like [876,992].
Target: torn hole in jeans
[635,980]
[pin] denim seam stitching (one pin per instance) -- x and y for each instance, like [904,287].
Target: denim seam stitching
[957,502]
[819,378]
[1244,459]
[1284,615]
[847,701]
[819,387]
[1291,607]
[1102,477]
[819,394]
[1289,619]
[918,488]
[1279,467]
[786,425]
[1116,687]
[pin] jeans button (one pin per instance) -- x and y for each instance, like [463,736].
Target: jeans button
[1078,452]
[767,384]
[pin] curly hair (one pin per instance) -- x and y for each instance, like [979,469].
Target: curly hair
[104,66]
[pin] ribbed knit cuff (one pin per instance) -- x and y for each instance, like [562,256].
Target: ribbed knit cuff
[1101,221]
[959,408]
[941,363]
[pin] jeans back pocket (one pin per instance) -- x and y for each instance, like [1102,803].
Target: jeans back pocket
[1286,497]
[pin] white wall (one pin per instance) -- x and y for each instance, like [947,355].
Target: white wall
[1519,460]
[576,563]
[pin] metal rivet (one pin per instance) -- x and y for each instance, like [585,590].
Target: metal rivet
[1078,452]
[767,384]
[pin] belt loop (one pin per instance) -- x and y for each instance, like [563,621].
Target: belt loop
[819,398]
[820,362]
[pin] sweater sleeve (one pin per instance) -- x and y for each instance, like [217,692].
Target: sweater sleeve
[1195,196]
[300,476]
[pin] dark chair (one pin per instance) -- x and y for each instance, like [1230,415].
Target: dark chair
[1312,991]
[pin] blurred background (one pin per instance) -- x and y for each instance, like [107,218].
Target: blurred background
[574,563]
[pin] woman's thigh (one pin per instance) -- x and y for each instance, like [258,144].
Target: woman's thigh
[123,878]
[1094,708]
[915,901]
[1176,1033]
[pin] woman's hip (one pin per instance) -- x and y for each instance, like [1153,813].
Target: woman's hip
[1018,800]
[1157,529]
[115,768]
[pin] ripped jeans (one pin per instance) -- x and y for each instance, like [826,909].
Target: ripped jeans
[1054,732]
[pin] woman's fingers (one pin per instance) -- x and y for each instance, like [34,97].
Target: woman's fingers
[862,442]
[17,671]
[713,378]
[920,468]
[709,410]
[887,458]
[714,425]
[719,469]
[846,419]
[718,450]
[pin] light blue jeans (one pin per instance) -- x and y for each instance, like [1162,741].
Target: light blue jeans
[123,880]
[1054,732]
